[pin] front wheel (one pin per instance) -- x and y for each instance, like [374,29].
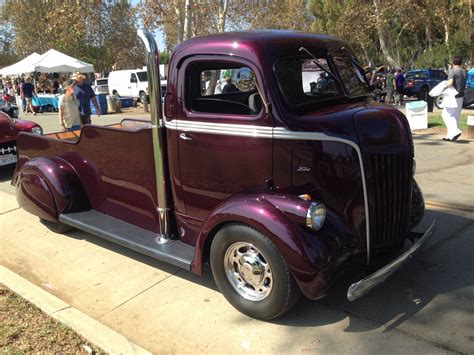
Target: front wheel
[251,273]
[439,101]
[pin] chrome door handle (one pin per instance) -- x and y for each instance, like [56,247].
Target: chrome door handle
[185,137]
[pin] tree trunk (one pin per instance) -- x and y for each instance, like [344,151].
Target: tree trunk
[223,6]
[429,40]
[188,20]
[179,23]
[446,38]
[382,37]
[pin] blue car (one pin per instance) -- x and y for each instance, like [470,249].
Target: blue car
[421,81]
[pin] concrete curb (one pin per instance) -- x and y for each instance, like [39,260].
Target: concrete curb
[94,331]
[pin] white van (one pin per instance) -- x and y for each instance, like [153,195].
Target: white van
[132,83]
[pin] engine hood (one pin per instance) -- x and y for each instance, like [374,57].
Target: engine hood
[367,124]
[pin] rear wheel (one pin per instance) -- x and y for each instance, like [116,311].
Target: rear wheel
[143,97]
[56,227]
[251,273]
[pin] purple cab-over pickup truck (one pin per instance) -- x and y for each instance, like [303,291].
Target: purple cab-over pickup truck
[269,160]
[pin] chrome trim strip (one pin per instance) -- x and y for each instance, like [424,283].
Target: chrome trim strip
[362,287]
[277,133]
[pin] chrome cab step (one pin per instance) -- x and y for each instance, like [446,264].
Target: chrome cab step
[131,236]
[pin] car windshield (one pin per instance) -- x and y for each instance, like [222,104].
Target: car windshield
[417,75]
[302,81]
[102,81]
[142,75]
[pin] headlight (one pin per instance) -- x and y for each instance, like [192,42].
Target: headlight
[37,130]
[316,215]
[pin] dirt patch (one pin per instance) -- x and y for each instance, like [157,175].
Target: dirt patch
[24,328]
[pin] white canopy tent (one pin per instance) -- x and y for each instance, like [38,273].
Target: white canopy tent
[25,65]
[53,61]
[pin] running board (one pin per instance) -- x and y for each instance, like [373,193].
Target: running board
[130,236]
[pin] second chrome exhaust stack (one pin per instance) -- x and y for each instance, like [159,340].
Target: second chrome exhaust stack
[159,135]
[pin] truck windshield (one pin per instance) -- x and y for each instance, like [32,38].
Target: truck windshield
[352,77]
[142,75]
[302,82]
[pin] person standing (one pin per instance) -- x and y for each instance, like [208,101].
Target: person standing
[84,94]
[69,117]
[29,91]
[400,83]
[229,86]
[457,80]
[390,86]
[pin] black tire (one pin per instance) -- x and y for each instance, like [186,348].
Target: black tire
[439,101]
[284,291]
[56,227]
[142,97]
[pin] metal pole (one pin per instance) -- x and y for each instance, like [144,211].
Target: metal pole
[158,133]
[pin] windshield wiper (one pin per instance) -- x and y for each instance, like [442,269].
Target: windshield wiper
[315,61]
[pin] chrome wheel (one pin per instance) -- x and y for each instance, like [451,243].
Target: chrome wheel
[248,271]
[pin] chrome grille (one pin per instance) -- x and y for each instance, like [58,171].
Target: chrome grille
[7,148]
[389,184]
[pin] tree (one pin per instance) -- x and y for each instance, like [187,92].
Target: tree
[101,32]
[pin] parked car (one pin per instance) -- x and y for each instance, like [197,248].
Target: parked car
[132,83]
[468,99]
[278,183]
[9,129]
[101,86]
[9,108]
[421,81]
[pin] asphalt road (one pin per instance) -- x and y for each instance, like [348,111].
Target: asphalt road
[427,307]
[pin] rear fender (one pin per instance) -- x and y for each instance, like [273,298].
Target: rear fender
[306,252]
[47,187]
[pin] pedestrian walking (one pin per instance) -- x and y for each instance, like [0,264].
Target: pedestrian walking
[28,93]
[457,80]
[84,94]
[400,83]
[69,117]
[390,86]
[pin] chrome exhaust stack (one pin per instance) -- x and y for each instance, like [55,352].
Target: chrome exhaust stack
[159,135]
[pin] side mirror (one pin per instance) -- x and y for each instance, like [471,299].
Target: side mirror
[133,79]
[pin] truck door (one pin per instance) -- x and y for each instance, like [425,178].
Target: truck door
[224,134]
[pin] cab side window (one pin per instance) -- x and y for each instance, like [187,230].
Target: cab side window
[225,88]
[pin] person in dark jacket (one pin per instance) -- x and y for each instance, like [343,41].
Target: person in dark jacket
[229,86]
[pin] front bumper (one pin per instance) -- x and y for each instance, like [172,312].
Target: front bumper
[362,287]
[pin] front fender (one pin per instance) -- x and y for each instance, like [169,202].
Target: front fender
[47,187]
[311,256]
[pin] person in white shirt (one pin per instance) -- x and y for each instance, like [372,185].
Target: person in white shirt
[69,117]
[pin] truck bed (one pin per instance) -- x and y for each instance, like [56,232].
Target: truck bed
[114,163]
